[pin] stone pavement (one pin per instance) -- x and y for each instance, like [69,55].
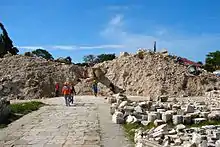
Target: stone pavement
[85,124]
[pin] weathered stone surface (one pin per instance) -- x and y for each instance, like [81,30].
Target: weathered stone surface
[163,98]
[187,119]
[152,117]
[189,109]
[160,113]
[216,134]
[118,118]
[82,124]
[199,120]
[158,122]
[145,123]
[196,138]
[4,109]
[161,127]
[131,119]
[217,143]
[167,117]
[215,115]
[138,109]
[177,119]
[180,127]
[111,100]
[113,108]
[123,104]
[204,114]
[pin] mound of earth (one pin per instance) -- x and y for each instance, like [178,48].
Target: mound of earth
[152,75]
[155,75]
[24,77]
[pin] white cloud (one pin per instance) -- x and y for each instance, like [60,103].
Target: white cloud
[115,32]
[184,45]
[117,20]
[117,7]
[31,47]
[124,7]
[72,47]
[64,47]
[112,46]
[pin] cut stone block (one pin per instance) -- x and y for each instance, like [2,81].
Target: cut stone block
[189,109]
[167,117]
[199,120]
[187,119]
[117,118]
[177,119]
[158,122]
[152,117]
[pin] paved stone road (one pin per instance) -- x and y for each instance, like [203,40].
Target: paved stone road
[85,124]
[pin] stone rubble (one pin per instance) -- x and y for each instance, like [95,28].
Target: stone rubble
[171,120]
[156,76]
[24,77]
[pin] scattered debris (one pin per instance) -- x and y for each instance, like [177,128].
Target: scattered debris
[184,123]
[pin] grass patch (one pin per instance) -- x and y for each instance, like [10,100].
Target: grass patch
[130,129]
[20,109]
[25,108]
[204,124]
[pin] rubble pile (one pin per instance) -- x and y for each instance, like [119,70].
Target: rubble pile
[154,74]
[23,77]
[172,119]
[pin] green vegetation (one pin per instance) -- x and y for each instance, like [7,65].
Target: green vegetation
[130,129]
[20,109]
[92,59]
[105,57]
[89,59]
[25,108]
[43,53]
[212,62]
[6,44]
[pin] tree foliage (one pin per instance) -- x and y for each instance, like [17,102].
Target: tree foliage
[91,59]
[69,59]
[212,61]
[43,53]
[82,64]
[28,54]
[200,62]
[105,57]
[6,44]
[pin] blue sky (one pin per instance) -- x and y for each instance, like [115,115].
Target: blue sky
[188,28]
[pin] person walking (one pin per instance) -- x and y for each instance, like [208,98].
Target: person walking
[66,93]
[95,87]
[72,93]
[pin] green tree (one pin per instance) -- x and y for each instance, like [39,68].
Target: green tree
[105,57]
[43,53]
[89,59]
[200,62]
[69,59]
[6,44]
[212,61]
